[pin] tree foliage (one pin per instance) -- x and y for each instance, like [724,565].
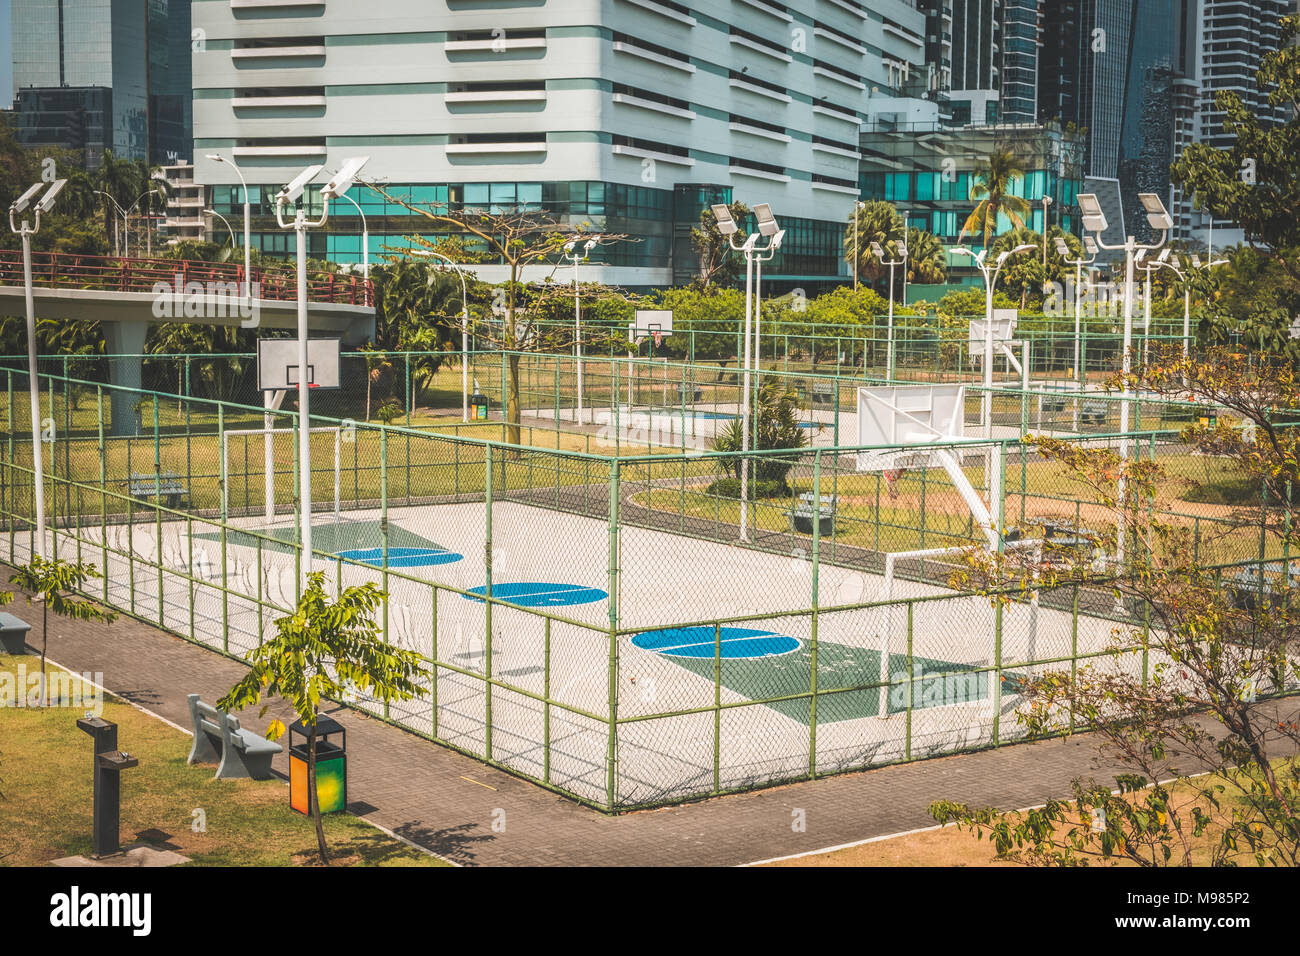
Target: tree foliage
[994,176]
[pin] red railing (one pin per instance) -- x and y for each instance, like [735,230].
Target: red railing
[118,274]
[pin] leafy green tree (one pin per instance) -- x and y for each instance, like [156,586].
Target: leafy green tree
[54,581]
[326,649]
[778,427]
[927,262]
[719,264]
[877,221]
[1221,646]
[994,176]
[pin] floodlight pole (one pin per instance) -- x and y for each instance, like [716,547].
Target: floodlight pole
[889,328]
[1078,285]
[300,225]
[464,329]
[38,465]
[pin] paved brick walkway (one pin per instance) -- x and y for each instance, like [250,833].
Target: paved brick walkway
[448,802]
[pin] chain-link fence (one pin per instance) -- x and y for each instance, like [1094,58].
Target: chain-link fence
[614,624]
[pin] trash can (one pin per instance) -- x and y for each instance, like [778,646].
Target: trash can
[13,634]
[331,766]
[478,408]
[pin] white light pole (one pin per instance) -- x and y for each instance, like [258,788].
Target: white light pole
[990,280]
[879,253]
[117,249]
[17,207]
[227,222]
[1187,297]
[766,224]
[248,218]
[365,245]
[728,227]
[464,329]
[570,252]
[1148,268]
[1047,201]
[338,185]
[857,205]
[1094,221]
[1063,250]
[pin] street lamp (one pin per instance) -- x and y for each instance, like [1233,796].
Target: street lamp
[1094,220]
[464,329]
[1148,268]
[227,222]
[857,205]
[768,227]
[365,245]
[248,272]
[1063,250]
[879,253]
[148,235]
[1185,277]
[990,280]
[1047,201]
[570,252]
[116,247]
[17,207]
[337,186]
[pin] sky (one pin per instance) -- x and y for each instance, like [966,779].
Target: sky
[6,59]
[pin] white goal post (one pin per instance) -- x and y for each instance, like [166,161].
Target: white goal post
[269,475]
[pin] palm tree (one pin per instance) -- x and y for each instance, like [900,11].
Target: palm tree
[877,221]
[926,260]
[993,178]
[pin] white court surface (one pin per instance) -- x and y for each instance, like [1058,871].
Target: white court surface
[664,580]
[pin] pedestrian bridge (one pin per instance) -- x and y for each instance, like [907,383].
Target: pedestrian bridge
[128,295]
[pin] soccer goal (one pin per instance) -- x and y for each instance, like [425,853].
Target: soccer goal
[273,451]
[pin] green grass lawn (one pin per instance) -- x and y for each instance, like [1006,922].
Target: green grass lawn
[45,812]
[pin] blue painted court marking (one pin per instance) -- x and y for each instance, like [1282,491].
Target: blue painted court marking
[401,557]
[541,593]
[737,643]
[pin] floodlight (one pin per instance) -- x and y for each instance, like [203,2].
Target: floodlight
[592,243]
[1091,245]
[876,251]
[766,221]
[1061,248]
[726,224]
[22,202]
[1094,220]
[1196,261]
[291,192]
[1164,256]
[47,201]
[776,240]
[1157,215]
[750,242]
[1141,255]
[902,248]
[215,157]
[568,247]
[962,251]
[342,181]
[1027,247]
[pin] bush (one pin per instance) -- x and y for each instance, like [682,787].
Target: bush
[730,488]
[778,428]
[1227,491]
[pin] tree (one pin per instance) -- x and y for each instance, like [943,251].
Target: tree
[1224,646]
[325,649]
[521,239]
[927,262]
[877,221]
[994,176]
[717,264]
[53,580]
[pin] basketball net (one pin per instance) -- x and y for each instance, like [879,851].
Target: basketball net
[659,339]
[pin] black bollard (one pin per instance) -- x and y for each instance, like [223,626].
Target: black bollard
[109,763]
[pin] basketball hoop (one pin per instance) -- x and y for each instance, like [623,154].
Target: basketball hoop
[659,339]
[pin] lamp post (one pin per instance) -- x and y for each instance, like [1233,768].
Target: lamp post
[1063,250]
[879,253]
[338,185]
[248,272]
[1148,268]
[765,224]
[570,252]
[857,205]
[227,222]
[990,280]
[365,245]
[728,227]
[1047,201]
[117,249]
[148,235]
[464,329]
[1094,221]
[25,231]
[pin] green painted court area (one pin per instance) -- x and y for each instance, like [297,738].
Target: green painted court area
[327,536]
[934,683]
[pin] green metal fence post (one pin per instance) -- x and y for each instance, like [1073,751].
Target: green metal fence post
[611,755]
[490,474]
[383,530]
[225,518]
[816,571]
[995,692]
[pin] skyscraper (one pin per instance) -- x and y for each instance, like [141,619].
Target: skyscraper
[994,47]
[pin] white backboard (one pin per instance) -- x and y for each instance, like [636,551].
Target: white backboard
[1004,330]
[649,321]
[902,415]
[277,363]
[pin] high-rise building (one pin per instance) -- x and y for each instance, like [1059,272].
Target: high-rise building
[137,49]
[994,47]
[618,116]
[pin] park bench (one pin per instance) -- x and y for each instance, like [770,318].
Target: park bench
[218,736]
[1092,413]
[688,395]
[802,515]
[167,488]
